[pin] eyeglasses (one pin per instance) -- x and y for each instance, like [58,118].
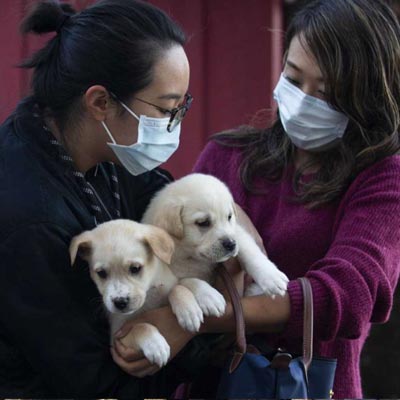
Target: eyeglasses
[176,114]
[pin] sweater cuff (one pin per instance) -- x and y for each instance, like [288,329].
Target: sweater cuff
[294,326]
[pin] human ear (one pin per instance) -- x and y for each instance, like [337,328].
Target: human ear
[98,102]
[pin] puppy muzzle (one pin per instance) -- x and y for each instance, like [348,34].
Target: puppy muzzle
[126,304]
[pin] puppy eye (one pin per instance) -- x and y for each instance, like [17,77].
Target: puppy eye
[102,273]
[229,217]
[134,269]
[203,224]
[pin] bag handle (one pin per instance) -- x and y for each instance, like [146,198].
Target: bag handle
[240,345]
[308,321]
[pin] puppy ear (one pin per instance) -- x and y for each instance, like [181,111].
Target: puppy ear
[169,218]
[81,245]
[160,243]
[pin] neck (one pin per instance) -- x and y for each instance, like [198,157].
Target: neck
[83,150]
[302,157]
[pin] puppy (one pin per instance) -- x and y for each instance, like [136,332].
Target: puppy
[198,211]
[129,263]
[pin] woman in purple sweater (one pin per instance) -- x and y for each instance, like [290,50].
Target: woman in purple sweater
[322,186]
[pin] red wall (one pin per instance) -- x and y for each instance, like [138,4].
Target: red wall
[234,50]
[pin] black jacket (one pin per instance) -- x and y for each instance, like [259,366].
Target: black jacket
[54,339]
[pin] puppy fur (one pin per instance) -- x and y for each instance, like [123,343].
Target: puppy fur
[129,263]
[198,211]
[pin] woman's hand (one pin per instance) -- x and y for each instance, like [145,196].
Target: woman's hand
[132,361]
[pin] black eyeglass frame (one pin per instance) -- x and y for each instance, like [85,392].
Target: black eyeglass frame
[184,107]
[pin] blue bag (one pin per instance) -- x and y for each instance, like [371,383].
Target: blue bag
[251,374]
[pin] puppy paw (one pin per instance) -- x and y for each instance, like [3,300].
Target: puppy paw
[211,302]
[185,308]
[272,282]
[156,350]
[189,315]
[149,340]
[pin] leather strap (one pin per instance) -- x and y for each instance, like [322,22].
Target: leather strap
[240,345]
[308,322]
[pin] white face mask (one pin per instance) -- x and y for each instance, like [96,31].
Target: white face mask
[154,146]
[308,121]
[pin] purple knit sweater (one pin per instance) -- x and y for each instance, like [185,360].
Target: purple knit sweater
[350,251]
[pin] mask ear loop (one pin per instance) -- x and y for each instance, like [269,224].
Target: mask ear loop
[108,132]
[129,110]
[124,105]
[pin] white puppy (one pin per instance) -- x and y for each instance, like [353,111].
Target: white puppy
[129,264]
[198,211]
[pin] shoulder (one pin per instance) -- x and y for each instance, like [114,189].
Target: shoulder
[383,175]
[30,196]
[388,166]
[375,190]
[217,157]
[224,160]
[227,149]
[32,186]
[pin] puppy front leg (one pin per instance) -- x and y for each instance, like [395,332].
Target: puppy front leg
[148,339]
[264,272]
[253,290]
[211,301]
[185,307]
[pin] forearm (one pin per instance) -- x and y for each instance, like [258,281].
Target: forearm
[261,314]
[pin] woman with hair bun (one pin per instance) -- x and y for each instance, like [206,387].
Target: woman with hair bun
[77,152]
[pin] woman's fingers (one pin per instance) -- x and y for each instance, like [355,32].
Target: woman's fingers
[123,331]
[137,368]
[127,353]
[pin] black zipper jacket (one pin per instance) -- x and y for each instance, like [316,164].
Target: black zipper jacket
[54,339]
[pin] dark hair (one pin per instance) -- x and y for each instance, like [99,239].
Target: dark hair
[114,43]
[356,45]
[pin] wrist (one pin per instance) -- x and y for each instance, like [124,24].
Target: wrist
[223,324]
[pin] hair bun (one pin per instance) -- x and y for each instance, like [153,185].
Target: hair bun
[46,16]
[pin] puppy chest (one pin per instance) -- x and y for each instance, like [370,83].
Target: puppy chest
[156,296]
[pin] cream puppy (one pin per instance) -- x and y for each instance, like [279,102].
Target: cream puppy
[198,211]
[129,263]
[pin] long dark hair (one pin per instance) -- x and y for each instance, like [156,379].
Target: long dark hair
[356,45]
[114,43]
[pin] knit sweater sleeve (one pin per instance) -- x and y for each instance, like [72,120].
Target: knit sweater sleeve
[353,284]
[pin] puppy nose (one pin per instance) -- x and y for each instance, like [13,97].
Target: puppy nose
[121,302]
[228,244]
